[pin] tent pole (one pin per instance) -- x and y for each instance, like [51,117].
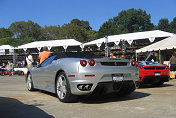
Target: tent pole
[136,56]
[160,56]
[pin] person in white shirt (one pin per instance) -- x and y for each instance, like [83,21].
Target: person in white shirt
[29,59]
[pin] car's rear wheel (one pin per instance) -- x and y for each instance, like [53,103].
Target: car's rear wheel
[29,82]
[63,90]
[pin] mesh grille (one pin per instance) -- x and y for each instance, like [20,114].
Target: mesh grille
[154,68]
[114,63]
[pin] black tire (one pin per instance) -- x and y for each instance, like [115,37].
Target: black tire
[138,85]
[29,82]
[62,88]
[158,83]
[126,89]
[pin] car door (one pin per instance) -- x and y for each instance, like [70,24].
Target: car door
[42,74]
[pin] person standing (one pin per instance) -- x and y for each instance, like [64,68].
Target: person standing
[44,54]
[29,59]
[172,63]
[10,67]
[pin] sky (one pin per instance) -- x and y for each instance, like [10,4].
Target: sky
[97,12]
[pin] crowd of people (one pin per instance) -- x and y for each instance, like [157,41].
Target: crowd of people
[31,62]
[28,62]
[35,62]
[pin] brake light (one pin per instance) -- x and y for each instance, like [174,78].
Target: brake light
[91,62]
[141,67]
[133,63]
[89,75]
[167,67]
[83,63]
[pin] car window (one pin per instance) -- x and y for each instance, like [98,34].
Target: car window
[48,61]
[150,63]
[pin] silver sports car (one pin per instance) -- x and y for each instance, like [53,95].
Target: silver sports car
[72,74]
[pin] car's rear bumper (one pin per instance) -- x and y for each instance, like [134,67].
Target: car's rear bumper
[154,79]
[95,78]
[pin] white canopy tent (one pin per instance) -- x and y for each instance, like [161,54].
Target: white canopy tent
[129,37]
[6,47]
[51,43]
[168,43]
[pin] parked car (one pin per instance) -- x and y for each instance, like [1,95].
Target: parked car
[153,73]
[6,72]
[72,74]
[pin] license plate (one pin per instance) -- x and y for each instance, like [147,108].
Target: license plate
[157,74]
[117,77]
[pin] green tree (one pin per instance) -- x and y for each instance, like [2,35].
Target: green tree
[69,31]
[163,24]
[5,33]
[172,27]
[10,41]
[91,35]
[22,30]
[127,21]
[84,24]
[51,32]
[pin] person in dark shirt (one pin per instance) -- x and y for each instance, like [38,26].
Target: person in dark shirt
[172,62]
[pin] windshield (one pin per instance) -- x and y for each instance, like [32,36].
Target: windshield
[150,63]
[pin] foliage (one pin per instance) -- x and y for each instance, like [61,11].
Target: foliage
[91,35]
[50,32]
[173,26]
[127,21]
[10,41]
[163,24]
[5,33]
[22,30]
[72,31]
[84,24]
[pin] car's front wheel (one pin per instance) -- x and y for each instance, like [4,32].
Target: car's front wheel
[63,90]
[29,82]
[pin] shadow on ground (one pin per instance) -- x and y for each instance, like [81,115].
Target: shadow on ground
[152,86]
[112,98]
[13,108]
[105,98]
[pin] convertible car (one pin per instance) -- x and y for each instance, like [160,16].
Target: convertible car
[153,73]
[72,74]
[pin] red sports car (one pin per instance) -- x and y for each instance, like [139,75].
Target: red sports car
[153,73]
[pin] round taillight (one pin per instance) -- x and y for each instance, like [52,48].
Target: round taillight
[91,62]
[83,63]
[141,67]
[167,67]
[133,63]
